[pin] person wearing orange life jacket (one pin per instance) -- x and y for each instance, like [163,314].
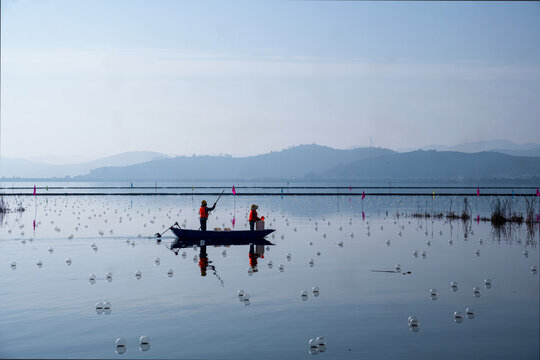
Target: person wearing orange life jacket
[253,218]
[203,214]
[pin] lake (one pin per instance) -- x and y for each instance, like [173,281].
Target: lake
[330,242]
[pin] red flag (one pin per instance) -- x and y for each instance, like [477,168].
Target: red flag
[34,190]
[350,188]
[34,224]
[478,219]
[363,195]
[477,191]
[233,221]
[233,190]
[363,215]
[537,192]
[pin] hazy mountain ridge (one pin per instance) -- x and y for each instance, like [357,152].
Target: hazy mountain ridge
[310,162]
[34,169]
[319,162]
[293,162]
[438,165]
[497,145]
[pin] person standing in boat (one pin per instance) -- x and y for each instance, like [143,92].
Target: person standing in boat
[253,218]
[203,214]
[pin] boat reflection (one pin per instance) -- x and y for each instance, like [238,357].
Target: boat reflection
[256,251]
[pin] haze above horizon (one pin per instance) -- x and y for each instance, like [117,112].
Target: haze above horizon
[96,78]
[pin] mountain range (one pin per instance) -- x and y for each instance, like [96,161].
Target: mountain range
[313,162]
[23,168]
[499,145]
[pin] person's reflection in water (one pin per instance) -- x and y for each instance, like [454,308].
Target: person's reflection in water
[204,263]
[203,260]
[255,252]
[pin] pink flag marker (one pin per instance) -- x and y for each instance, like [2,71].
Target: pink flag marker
[537,192]
[233,221]
[363,195]
[34,225]
[478,219]
[233,190]
[363,215]
[477,191]
[34,190]
[350,188]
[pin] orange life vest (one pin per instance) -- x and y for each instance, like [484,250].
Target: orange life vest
[253,215]
[203,213]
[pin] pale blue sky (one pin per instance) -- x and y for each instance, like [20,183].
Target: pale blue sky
[94,78]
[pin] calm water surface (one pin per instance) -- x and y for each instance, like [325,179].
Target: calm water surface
[50,312]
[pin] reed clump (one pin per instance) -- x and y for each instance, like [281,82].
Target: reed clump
[529,213]
[4,208]
[3,205]
[501,213]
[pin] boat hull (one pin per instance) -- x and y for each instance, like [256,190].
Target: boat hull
[241,236]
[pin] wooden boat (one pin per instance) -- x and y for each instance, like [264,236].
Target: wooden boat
[243,237]
[187,243]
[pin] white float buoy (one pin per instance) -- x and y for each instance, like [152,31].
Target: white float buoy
[413,321]
[120,345]
[397,267]
[250,271]
[288,256]
[99,307]
[315,291]
[138,275]
[107,305]
[108,277]
[476,291]
[281,268]
[469,312]
[311,262]
[39,263]
[526,253]
[270,264]
[13,265]
[304,295]
[454,285]
[170,273]
[458,316]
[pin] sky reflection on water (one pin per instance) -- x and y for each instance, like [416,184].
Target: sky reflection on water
[50,311]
